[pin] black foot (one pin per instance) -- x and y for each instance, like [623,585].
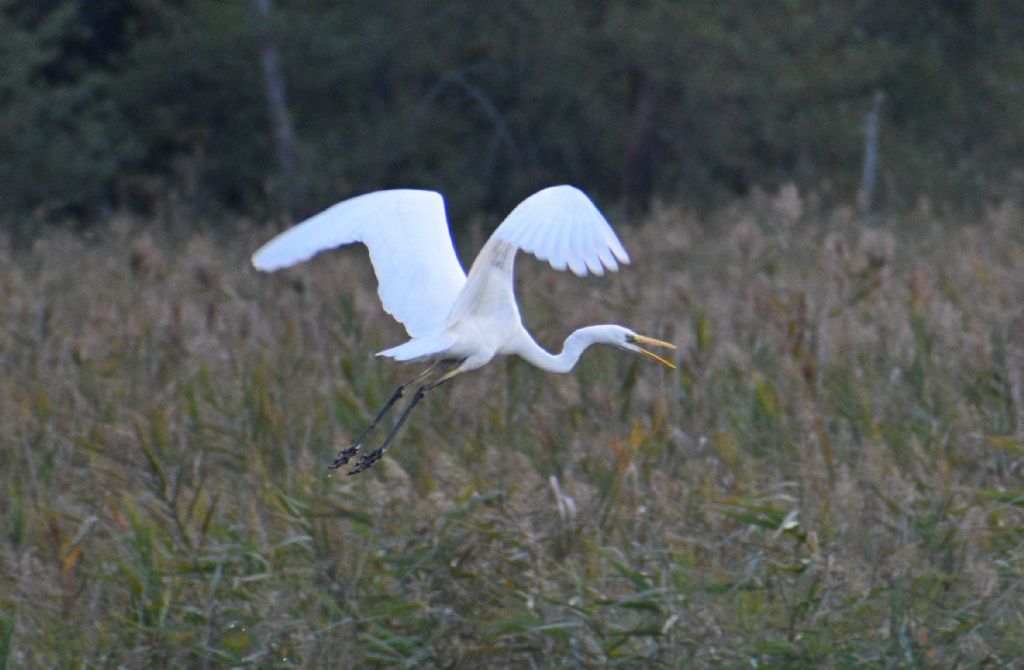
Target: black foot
[366,461]
[344,456]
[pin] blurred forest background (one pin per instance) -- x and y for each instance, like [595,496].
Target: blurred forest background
[108,105]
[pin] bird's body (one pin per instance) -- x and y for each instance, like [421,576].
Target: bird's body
[481,322]
[451,317]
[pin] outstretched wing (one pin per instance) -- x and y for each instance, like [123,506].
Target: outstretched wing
[410,246]
[562,226]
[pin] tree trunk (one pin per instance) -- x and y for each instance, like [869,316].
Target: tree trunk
[638,162]
[282,129]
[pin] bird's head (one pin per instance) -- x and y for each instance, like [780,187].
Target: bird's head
[624,338]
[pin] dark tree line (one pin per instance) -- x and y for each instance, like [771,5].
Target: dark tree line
[107,104]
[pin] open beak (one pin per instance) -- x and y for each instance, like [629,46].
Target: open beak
[651,342]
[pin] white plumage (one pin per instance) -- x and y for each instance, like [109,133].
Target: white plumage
[562,226]
[411,250]
[451,318]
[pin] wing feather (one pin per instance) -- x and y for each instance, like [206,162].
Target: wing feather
[577,251]
[406,232]
[558,255]
[593,257]
[562,226]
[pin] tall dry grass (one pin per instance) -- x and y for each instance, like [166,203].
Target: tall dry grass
[831,478]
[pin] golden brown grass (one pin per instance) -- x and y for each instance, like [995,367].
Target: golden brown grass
[832,477]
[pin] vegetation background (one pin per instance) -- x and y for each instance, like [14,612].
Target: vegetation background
[833,476]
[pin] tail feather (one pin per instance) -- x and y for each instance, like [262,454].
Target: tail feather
[419,347]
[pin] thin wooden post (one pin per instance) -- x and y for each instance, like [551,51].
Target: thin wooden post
[866,194]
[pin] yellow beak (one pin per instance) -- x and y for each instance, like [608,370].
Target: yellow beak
[651,342]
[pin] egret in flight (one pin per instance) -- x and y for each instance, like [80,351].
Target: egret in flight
[459,322]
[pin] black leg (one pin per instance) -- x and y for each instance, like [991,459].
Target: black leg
[346,454]
[372,457]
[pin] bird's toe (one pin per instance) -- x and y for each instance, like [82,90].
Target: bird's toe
[344,456]
[366,461]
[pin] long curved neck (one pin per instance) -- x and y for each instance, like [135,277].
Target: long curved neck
[572,349]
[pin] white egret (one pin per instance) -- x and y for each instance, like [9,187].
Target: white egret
[460,323]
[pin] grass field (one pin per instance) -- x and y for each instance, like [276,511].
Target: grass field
[833,476]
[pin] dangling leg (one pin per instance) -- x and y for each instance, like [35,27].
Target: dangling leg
[345,455]
[372,457]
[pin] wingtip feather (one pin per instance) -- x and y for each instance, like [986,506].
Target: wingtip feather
[261,263]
